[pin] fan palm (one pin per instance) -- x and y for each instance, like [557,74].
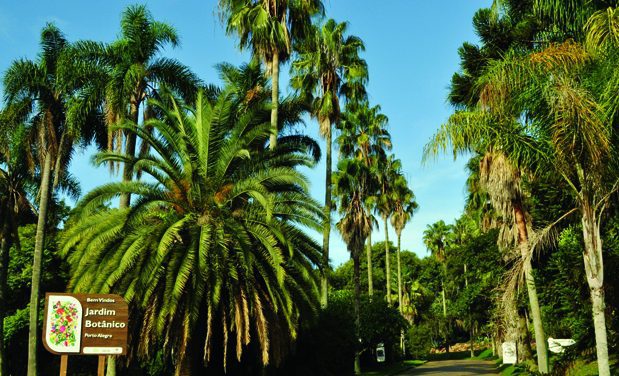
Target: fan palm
[327,69]
[351,182]
[364,136]
[213,239]
[389,169]
[49,96]
[435,237]
[269,29]
[404,208]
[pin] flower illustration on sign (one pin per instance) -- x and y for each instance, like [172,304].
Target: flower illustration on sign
[64,323]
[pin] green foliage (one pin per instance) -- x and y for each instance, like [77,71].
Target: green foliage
[419,341]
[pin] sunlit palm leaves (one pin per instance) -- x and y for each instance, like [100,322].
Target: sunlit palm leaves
[213,238]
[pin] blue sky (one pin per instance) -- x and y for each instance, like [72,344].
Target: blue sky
[411,50]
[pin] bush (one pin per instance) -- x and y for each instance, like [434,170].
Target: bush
[419,341]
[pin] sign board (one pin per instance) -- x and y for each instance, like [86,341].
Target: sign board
[558,346]
[380,353]
[86,324]
[510,355]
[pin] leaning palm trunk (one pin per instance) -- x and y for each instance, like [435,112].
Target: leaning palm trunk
[39,241]
[369,261]
[324,282]
[540,338]
[274,100]
[594,269]
[387,262]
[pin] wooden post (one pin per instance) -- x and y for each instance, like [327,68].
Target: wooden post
[101,369]
[63,365]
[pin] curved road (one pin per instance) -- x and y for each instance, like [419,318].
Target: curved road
[453,368]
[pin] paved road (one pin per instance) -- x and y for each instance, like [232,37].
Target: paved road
[454,368]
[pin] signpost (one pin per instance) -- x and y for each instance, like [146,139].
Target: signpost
[85,324]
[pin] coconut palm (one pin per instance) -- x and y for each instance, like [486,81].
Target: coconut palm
[47,94]
[222,251]
[270,29]
[351,182]
[328,70]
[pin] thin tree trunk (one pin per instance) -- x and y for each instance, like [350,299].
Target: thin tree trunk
[111,366]
[274,100]
[130,143]
[36,266]
[324,282]
[471,338]
[399,274]
[58,163]
[369,261]
[357,305]
[4,266]
[594,268]
[445,313]
[387,262]
[540,337]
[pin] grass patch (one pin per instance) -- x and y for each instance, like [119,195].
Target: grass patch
[392,369]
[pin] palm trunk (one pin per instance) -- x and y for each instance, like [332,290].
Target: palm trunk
[594,268]
[130,142]
[387,262]
[357,304]
[445,313]
[36,266]
[274,99]
[58,163]
[4,266]
[471,338]
[540,338]
[399,273]
[324,282]
[369,261]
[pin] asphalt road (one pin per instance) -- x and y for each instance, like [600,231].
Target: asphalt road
[453,368]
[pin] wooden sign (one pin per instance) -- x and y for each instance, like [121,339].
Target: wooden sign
[86,324]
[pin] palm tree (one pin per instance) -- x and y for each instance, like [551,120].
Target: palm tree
[575,132]
[364,136]
[435,237]
[222,248]
[387,173]
[270,29]
[46,93]
[351,182]
[131,71]
[328,69]
[404,208]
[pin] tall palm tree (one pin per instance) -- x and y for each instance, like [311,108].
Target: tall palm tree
[575,133]
[46,94]
[351,182]
[404,208]
[223,250]
[131,71]
[328,69]
[435,237]
[389,169]
[364,136]
[270,29]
